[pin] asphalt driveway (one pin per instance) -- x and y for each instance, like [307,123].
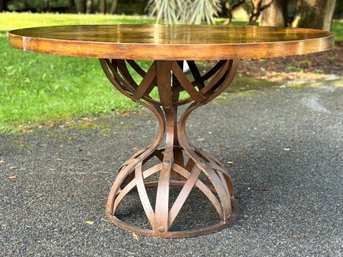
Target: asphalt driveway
[282,145]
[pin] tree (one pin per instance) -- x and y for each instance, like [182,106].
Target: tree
[102,6]
[314,14]
[80,6]
[26,5]
[257,8]
[89,6]
[71,5]
[275,15]
[3,5]
[114,6]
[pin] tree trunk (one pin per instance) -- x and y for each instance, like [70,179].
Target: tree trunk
[89,6]
[25,4]
[255,13]
[114,6]
[259,6]
[276,14]
[72,6]
[102,6]
[314,14]
[80,6]
[3,5]
[47,6]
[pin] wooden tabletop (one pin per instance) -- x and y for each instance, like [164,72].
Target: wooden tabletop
[171,42]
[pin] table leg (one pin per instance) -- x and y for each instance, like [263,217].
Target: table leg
[180,162]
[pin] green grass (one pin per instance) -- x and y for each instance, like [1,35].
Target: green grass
[337,28]
[10,21]
[37,88]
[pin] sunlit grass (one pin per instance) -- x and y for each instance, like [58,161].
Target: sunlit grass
[9,21]
[36,88]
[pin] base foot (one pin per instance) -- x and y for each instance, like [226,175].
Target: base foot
[191,170]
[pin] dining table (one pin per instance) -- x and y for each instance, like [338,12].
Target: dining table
[145,62]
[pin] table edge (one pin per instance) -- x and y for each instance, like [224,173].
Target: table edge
[170,51]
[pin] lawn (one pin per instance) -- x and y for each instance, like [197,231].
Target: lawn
[37,88]
[337,28]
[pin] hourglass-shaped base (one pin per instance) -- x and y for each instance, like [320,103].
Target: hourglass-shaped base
[177,161]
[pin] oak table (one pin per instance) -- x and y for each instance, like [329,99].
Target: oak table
[171,159]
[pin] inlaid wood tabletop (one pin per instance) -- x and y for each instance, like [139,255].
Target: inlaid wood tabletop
[171,42]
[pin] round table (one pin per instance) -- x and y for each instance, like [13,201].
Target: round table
[172,159]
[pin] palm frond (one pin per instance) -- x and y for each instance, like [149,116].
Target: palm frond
[184,11]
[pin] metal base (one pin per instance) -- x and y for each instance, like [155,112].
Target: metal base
[180,163]
[179,234]
[187,176]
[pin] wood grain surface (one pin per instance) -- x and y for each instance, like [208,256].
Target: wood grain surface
[171,42]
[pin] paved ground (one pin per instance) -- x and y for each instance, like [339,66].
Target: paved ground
[283,146]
